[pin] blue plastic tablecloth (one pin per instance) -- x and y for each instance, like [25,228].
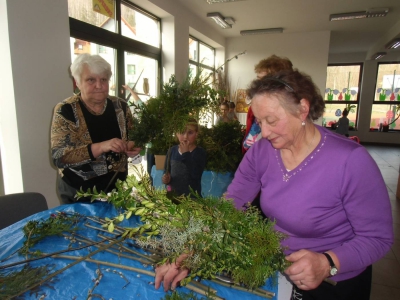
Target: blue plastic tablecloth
[75,282]
[212,183]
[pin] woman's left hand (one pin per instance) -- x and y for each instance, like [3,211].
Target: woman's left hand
[308,270]
[132,151]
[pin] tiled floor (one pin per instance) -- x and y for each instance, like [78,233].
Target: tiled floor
[386,272]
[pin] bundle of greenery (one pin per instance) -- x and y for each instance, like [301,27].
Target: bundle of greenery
[223,144]
[218,238]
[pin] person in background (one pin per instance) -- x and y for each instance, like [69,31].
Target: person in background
[224,109]
[89,132]
[231,113]
[136,99]
[265,67]
[343,124]
[185,163]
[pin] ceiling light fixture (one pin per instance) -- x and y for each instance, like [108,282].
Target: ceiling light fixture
[229,20]
[221,1]
[219,19]
[262,31]
[370,13]
[393,44]
[378,55]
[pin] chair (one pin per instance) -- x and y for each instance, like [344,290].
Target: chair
[15,207]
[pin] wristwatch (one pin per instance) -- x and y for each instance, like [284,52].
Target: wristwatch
[333,271]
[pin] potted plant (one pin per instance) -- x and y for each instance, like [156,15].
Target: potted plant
[163,116]
[223,144]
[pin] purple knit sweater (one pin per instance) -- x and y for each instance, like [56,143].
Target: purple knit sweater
[335,200]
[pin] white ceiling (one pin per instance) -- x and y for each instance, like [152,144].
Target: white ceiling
[349,36]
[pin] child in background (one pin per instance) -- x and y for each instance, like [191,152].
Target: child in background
[343,124]
[231,113]
[185,163]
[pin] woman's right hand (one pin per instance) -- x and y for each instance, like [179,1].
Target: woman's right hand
[115,145]
[171,274]
[166,178]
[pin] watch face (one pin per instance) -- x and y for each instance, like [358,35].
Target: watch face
[333,271]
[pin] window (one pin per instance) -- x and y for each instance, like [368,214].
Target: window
[201,57]
[342,92]
[386,105]
[143,75]
[92,48]
[140,26]
[96,14]
[123,34]
[131,69]
[102,49]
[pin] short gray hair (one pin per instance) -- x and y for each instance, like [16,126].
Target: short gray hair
[95,63]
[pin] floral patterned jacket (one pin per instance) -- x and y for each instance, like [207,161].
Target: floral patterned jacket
[71,141]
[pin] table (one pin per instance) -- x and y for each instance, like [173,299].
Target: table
[116,283]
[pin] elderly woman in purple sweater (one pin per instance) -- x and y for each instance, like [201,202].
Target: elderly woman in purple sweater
[323,190]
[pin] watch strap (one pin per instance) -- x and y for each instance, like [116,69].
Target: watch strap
[331,263]
[333,269]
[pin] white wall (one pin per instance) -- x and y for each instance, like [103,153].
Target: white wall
[36,55]
[300,48]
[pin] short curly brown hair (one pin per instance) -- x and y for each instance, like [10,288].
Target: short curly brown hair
[290,87]
[273,64]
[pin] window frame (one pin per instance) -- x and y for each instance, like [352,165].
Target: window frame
[383,102]
[356,102]
[376,83]
[85,31]
[197,63]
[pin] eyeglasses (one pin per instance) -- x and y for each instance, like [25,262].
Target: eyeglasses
[280,81]
[261,86]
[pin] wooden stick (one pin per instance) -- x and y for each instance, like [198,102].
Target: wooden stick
[190,286]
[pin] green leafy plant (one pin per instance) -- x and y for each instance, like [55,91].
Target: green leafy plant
[37,230]
[222,243]
[162,117]
[223,144]
[216,237]
[15,282]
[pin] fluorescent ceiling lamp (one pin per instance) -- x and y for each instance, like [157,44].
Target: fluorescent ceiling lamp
[221,1]
[370,13]
[348,16]
[262,31]
[219,19]
[229,20]
[393,44]
[378,55]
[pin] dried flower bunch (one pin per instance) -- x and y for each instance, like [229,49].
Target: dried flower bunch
[219,239]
